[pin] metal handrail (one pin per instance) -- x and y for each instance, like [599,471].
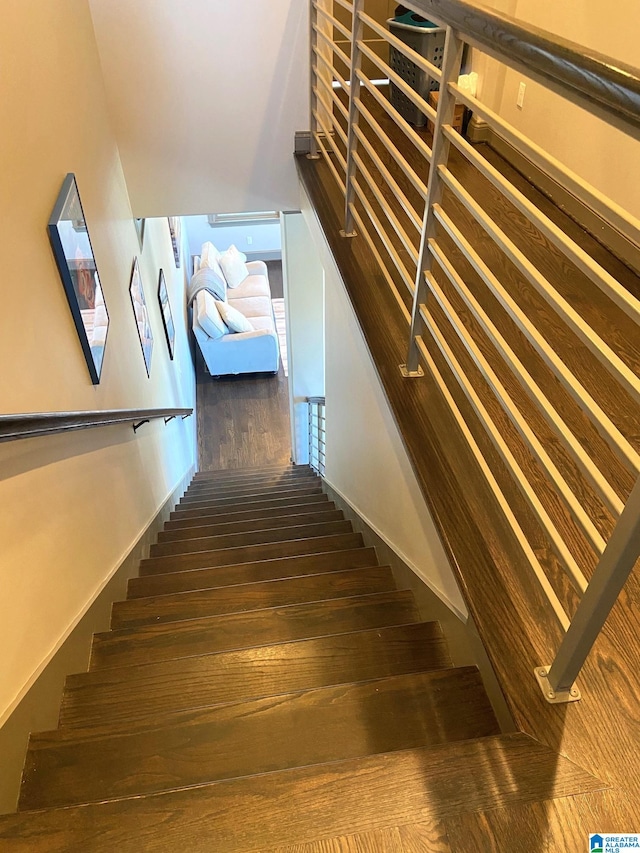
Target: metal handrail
[33,424]
[601,83]
[607,89]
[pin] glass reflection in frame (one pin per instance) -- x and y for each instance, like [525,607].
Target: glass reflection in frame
[77,267]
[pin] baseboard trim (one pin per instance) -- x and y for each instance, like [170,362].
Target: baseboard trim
[37,706]
[269,255]
[598,227]
[371,528]
[464,642]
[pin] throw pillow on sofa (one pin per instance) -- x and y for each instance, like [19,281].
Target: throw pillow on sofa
[208,315]
[234,319]
[234,266]
[210,259]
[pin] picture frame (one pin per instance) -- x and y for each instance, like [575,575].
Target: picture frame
[167,316]
[175,230]
[140,228]
[141,315]
[73,253]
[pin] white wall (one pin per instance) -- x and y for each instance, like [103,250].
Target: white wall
[72,506]
[303,278]
[602,155]
[206,98]
[366,460]
[265,237]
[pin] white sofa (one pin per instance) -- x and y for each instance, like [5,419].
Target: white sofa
[256,351]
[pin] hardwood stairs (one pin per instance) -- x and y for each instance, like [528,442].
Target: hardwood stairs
[264,685]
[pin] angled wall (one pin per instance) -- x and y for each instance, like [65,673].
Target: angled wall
[206,98]
[73,506]
[367,463]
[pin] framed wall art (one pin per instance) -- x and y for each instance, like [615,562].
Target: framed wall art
[175,229]
[167,316]
[141,315]
[139,223]
[74,257]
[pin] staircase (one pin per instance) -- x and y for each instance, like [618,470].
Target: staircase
[265,685]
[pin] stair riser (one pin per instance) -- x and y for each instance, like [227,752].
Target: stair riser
[234,676]
[250,492]
[240,540]
[265,735]
[254,628]
[253,526]
[319,510]
[250,553]
[238,599]
[230,473]
[287,495]
[247,506]
[263,570]
[249,481]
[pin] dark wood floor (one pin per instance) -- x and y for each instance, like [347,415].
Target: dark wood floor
[243,421]
[602,731]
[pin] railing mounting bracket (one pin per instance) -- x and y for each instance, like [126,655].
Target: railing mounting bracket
[137,426]
[166,420]
[553,698]
[411,374]
[344,233]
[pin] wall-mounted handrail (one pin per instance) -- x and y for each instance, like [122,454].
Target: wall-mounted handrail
[32,424]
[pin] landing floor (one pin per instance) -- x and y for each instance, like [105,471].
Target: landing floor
[243,421]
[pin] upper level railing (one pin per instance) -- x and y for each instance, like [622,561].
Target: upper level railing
[13,427]
[532,340]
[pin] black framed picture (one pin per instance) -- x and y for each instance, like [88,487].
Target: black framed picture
[73,252]
[175,230]
[141,314]
[167,316]
[140,224]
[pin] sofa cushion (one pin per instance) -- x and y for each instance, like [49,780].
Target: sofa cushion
[263,324]
[207,279]
[234,266]
[253,306]
[208,316]
[234,319]
[253,285]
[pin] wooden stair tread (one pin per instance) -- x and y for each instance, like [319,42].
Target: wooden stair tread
[180,513]
[250,572]
[294,806]
[260,736]
[124,693]
[252,628]
[252,493]
[258,537]
[251,553]
[317,508]
[236,598]
[217,528]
